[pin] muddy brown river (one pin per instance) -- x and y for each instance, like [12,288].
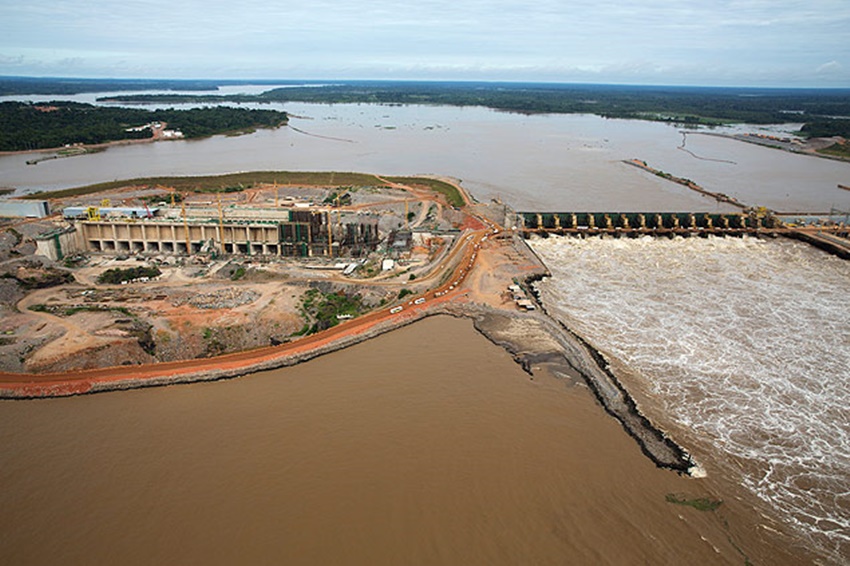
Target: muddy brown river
[428,445]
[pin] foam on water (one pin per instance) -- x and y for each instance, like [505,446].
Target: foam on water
[743,342]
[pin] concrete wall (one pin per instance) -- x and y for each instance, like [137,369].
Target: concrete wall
[59,245]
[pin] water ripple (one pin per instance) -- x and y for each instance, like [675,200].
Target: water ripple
[744,342]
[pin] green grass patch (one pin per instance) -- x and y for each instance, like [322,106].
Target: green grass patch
[215,183]
[837,149]
[70,311]
[116,275]
[320,310]
[451,193]
[699,503]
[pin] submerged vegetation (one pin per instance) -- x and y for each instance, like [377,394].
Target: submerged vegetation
[699,503]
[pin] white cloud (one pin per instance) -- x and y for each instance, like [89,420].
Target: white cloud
[721,42]
[833,67]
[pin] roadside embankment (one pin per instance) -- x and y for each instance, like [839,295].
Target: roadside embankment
[24,386]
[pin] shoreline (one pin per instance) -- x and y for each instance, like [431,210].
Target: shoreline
[747,138]
[100,147]
[87,148]
[530,338]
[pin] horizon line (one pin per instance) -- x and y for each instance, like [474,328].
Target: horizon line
[260,81]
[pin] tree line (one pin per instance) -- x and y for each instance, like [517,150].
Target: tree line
[686,105]
[29,126]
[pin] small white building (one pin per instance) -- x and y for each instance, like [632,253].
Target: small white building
[15,208]
[387,265]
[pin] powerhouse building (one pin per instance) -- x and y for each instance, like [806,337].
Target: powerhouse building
[298,233]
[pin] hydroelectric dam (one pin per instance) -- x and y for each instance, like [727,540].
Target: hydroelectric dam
[638,223]
[830,234]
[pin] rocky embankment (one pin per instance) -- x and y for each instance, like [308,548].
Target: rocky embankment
[536,339]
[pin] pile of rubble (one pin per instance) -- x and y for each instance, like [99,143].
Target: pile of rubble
[219,299]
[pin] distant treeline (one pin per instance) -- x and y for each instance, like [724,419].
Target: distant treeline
[50,86]
[29,126]
[685,105]
[10,85]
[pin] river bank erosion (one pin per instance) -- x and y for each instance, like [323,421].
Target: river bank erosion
[481,398]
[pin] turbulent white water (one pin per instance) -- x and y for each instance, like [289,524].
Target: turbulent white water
[744,343]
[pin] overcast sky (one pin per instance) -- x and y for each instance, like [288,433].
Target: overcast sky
[685,42]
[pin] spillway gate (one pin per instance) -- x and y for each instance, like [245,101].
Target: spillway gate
[637,223]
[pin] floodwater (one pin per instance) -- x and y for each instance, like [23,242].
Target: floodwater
[539,162]
[739,346]
[428,445]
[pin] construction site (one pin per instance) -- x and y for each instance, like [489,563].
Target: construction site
[149,273]
[297,230]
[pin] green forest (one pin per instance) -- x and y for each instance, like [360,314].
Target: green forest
[824,112]
[829,108]
[29,126]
